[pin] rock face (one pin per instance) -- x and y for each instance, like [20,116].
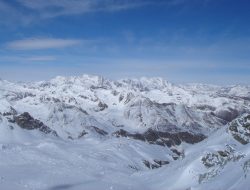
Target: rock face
[155,164]
[102,106]
[97,130]
[162,138]
[26,121]
[11,112]
[216,161]
[221,157]
[240,129]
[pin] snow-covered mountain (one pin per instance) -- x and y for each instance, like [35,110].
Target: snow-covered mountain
[94,133]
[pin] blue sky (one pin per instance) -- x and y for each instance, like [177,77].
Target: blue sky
[181,40]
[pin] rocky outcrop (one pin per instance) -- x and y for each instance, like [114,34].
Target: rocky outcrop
[215,162]
[155,164]
[11,112]
[26,121]
[162,138]
[97,130]
[83,133]
[102,106]
[240,129]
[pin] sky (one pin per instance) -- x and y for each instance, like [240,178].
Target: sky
[183,41]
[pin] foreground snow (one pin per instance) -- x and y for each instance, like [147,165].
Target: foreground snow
[30,160]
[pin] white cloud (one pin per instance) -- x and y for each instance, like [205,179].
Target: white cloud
[41,43]
[27,58]
[55,8]
[32,10]
[41,58]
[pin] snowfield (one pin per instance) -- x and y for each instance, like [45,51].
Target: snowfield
[88,132]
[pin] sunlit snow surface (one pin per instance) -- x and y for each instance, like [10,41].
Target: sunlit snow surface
[33,160]
[29,160]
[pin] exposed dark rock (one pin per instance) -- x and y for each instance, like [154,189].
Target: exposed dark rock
[55,100]
[215,162]
[7,114]
[116,125]
[19,95]
[99,87]
[223,153]
[190,138]
[10,120]
[98,130]
[161,162]
[151,165]
[83,111]
[134,167]
[11,112]
[176,152]
[121,133]
[240,139]
[121,97]
[102,106]
[162,138]
[206,107]
[175,157]
[49,99]
[129,97]
[26,121]
[151,136]
[139,137]
[114,92]
[155,164]
[84,97]
[83,133]
[210,159]
[221,157]
[147,163]
[240,129]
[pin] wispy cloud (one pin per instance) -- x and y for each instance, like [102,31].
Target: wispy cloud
[41,43]
[28,11]
[41,58]
[55,8]
[20,59]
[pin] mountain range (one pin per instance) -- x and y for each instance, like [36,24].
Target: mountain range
[90,132]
